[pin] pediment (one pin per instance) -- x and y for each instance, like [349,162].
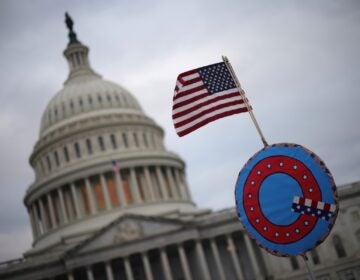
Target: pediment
[128,228]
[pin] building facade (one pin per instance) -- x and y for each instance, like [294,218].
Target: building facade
[109,201]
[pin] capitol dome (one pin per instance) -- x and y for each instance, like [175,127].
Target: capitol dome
[98,156]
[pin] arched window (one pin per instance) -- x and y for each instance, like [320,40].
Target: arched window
[339,247]
[315,256]
[113,141]
[145,140]
[89,146]
[294,263]
[136,140]
[77,150]
[125,140]
[56,156]
[48,162]
[66,154]
[101,143]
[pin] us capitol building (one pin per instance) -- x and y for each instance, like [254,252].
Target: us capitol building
[110,202]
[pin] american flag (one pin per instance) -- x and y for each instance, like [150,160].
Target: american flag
[204,95]
[115,165]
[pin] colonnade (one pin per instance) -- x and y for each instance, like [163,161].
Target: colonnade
[187,260]
[104,192]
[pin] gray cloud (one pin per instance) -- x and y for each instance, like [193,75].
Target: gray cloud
[297,61]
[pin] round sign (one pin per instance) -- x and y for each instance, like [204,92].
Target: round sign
[286,199]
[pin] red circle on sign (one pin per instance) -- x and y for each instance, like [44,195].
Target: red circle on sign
[281,234]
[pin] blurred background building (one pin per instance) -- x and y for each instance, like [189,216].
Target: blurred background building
[109,201]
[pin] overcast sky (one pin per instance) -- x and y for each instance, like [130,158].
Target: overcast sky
[298,62]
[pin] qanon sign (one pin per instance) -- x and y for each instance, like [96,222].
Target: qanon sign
[286,199]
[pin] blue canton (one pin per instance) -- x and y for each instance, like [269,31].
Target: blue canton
[216,78]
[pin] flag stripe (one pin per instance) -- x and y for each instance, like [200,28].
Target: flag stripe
[205,104]
[183,132]
[182,121]
[194,102]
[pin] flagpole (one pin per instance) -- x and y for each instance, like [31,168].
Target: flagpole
[308,267]
[231,70]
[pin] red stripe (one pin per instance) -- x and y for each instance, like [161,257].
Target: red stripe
[189,91]
[213,118]
[327,207]
[206,102]
[302,201]
[192,81]
[187,73]
[190,100]
[205,112]
[314,204]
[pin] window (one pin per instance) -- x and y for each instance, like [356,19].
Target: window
[89,146]
[314,256]
[90,100]
[56,156]
[108,98]
[72,106]
[136,140]
[101,143]
[80,103]
[63,108]
[145,140]
[113,141]
[99,98]
[66,154]
[77,150]
[125,140]
[48,162]
[355,216]
[339,247]
[294,263]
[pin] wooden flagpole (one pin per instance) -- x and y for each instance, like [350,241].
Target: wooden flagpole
[308,267]
[242,93]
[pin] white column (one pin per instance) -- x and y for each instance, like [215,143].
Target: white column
[120,189]
[186,186]
[253,260]
[181,187]
[165,264]
[217,258]
[43,218]
[109,272]
[149,183]
[105,191]
[171,182]
[51,210]
[184,262]
[89,274]
[89,190]
[76,200]
[147,266]
[64,217]
[134,186]
[162,183]
[234,257]
[128,271]
[33,222]
[202,260]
